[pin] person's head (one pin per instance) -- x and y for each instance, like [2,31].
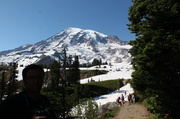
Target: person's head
[33,76]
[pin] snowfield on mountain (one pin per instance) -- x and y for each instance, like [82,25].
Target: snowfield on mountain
[87,44]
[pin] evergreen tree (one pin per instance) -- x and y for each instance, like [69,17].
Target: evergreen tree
[76,71]
[95,62]
[55,75]
[12,82]
[61,78]
[69,73]
[64,84]
[64,71]
[100,63]
[155,53]
[2,84]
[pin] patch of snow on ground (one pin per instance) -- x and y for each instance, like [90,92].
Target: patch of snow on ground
[124,71]
[111,97]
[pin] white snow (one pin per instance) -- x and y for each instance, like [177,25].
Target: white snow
[111,97]
[20,73]
[124,72]
[117,71]
[110,76]
[108,52]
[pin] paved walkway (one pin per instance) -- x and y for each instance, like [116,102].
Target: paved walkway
[133,111]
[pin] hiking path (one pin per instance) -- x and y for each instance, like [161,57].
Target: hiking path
[132,111]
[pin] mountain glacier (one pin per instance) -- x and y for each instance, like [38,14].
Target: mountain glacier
[87,44]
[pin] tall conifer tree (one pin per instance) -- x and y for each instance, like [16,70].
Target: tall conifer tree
[156,53]
[55,75]
[12,82]
[2,84]
[76,71]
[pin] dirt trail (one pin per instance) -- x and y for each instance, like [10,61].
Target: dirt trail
[133,111]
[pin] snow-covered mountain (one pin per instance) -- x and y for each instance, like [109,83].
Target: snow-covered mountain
[87,44]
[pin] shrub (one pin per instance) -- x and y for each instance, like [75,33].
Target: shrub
[86,110]
[111,113]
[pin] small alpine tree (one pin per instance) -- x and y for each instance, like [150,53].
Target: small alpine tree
[76,71]
[12,82]
[55,75]
[95,62]
[2,84]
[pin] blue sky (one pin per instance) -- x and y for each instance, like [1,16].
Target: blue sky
[29,21]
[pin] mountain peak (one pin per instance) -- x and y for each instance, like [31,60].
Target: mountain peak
[72,30]
[87,44]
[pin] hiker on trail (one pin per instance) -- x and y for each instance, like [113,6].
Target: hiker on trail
[118,100]
[133,98]
[29,104]
[122,99]
[129,98]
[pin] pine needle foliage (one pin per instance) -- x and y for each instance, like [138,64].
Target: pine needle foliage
[156,53]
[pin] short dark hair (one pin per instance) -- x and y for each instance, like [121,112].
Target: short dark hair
[29,67]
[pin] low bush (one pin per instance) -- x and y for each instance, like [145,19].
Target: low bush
[111,113]
[152,105]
